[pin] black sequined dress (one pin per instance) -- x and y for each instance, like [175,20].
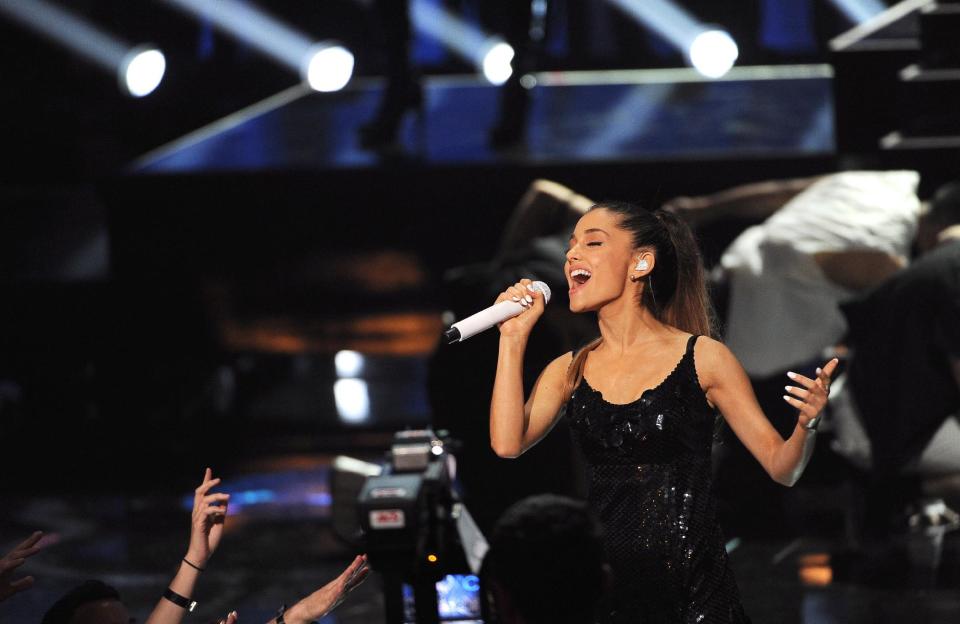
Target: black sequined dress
[649,471]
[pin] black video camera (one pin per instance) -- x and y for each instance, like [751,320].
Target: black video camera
[419,536]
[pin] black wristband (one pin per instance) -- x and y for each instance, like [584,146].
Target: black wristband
[193,565]
[179,600]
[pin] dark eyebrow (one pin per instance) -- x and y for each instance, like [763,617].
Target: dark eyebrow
[590,231]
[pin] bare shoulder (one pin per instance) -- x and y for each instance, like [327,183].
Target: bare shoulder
[712,359]
[554,375]
[559,366]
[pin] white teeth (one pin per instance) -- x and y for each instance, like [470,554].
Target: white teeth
[577,272]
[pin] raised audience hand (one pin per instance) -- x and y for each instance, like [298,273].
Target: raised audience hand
[328,597]
[13,560]
[209,512]
[206,529]
[232,618]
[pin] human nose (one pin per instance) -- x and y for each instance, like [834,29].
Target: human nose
[573,253]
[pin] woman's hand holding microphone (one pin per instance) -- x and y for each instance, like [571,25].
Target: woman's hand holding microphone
[531,299]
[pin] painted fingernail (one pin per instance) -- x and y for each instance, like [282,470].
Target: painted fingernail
[786,398]
[788,388]
[529,299]
[792,375]
[819,371]
[515,298]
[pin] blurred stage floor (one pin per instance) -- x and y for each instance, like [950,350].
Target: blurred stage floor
[279,546]
[575,117]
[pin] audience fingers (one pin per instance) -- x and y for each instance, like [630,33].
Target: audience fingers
[205,487]
[21,584]
[30,542]
[6,565]
[215,498]
[357,579]
[231,618]
[356,573]
[355,565]
[212,511]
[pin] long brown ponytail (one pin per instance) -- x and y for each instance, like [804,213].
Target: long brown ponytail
[675,290]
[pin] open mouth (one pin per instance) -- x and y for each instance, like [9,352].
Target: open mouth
[578,278]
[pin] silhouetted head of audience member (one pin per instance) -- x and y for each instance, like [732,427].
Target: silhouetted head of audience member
[942,212]
[92,602]
[546,563]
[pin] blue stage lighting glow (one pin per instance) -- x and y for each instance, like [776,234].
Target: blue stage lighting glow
[697,41]
[664,18]
[859,11]
[491,55]
[139,69]
[325,66]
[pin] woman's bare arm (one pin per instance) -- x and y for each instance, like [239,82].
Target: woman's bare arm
[728,388]
[515,424]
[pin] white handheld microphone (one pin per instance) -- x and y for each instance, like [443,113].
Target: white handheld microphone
[485,319]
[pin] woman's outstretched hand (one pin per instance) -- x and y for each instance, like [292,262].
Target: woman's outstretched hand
[811,398]
[13,560]
[206,529]
[326,599]
[532,301]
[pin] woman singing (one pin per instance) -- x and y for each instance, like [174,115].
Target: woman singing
[642,402]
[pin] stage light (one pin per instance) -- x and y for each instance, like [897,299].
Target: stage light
[859,11]
[713,53]
[697,41]
[142,71]
[490,55]
[139,69]
[324,66]
[348,364]
[496,63]
[329,68]
[352,400]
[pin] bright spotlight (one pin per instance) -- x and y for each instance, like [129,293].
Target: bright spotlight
[352,399]
[491,55]
[348,363]
[713,53]
[328,68]
[496,63]
[325,66]
[142,70]
[139,69]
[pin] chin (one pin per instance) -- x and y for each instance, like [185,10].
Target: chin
[582,306]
